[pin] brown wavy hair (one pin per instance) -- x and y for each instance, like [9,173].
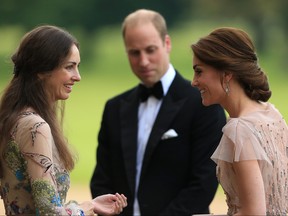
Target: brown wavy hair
[41,50]
[231,49]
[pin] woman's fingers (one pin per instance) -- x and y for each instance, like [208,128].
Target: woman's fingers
[121,202]
[123,199]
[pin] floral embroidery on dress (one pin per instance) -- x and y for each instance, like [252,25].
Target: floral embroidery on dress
[72,208]
[42,160]
[42,192]
[45,197]
[15,161]
[34,130]
[63,184]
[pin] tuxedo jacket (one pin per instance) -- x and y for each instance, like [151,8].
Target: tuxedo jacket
[178,177]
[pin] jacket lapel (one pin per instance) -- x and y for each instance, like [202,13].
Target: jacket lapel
[169,109]
[129,125]
[171,105]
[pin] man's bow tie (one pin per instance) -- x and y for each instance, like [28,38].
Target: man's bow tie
[156,91]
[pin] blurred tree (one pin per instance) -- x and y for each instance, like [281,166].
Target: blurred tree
[86,15]
[89,14]
[260,15]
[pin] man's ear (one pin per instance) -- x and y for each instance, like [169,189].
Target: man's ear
[168,43]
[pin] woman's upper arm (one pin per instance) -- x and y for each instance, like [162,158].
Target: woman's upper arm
[250,187]
[42,170]
[37,150]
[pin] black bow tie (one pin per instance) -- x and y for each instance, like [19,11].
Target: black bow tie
[156,91]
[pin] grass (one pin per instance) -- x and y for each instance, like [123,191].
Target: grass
[109,74]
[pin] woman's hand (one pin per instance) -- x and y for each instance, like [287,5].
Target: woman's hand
[109,204]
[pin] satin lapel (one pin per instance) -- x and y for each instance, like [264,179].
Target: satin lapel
[167,113]
[129,125]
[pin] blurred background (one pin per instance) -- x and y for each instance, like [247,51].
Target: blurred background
[104,66]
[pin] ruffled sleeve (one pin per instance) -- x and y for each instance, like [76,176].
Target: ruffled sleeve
[240,141]
[262,136]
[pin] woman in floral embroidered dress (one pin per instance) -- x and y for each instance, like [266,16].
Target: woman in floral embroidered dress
[252,163]
[35,157]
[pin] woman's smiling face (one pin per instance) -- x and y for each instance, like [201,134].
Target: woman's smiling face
[208,80]
[60,81]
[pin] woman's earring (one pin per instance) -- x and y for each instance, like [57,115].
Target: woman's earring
[227,88]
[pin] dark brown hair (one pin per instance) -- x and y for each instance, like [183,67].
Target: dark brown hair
[231,50]
[41,50]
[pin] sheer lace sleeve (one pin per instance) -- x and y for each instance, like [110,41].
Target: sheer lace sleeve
[49,181]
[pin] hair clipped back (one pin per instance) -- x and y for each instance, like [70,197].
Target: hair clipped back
[231,49]
[41,50]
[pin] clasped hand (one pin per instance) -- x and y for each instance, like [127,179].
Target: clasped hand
[109,204]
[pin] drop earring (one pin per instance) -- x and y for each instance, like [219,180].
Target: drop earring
[227,88]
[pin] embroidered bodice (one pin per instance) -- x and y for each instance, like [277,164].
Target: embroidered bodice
[261,136]
[34,180]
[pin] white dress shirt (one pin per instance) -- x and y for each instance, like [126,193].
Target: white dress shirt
[147,113]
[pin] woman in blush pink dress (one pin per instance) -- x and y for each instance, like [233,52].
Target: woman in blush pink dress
[252,155]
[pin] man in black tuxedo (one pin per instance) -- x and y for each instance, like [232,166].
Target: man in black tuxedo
[156,148]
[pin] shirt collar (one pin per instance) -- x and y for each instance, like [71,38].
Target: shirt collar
[167,78]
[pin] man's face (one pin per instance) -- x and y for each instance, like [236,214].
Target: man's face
[148,54]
